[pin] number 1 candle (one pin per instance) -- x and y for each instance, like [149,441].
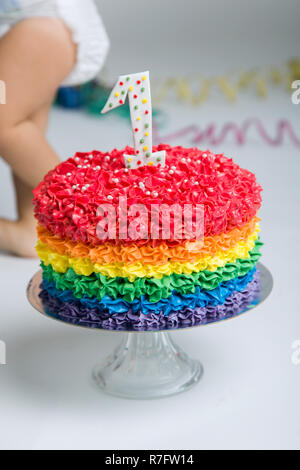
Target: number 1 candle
[137,87]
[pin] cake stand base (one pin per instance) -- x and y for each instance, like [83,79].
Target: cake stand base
[145,366]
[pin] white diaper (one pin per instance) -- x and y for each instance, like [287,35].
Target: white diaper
[81,17]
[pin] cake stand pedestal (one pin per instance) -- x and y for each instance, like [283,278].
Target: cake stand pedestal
[148,364]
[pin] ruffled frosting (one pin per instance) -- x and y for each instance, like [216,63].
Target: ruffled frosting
[66,201]
[108,253]
[98,286]
[84,266]
[75,313]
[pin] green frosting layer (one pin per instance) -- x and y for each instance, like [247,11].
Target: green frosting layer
[97,285]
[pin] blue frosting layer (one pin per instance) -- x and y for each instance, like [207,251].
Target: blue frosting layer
[201,298]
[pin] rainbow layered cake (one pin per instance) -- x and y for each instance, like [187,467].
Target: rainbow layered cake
[124,277]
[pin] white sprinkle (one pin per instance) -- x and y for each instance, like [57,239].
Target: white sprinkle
[87,185]
[107,157]
[141,185]
[171,172]
[98,167]
[198,161]
[183,160]
[116,171]
[88,166]
[204,155]
[173,167]
[90,157]
[169,190]
[77,159]
[126,170]
[109,198]
[69,174]
[86,161]
[189,160]
[74,187]
[155,194]
[196,182]
[148,193]
[116,180]
[83,188]
[79,166]
[185,181]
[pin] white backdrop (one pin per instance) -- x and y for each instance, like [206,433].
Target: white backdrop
[199,35]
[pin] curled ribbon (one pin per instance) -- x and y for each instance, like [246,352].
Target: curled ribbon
[213,135]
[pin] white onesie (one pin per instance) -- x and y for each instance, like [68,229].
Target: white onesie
[81,17]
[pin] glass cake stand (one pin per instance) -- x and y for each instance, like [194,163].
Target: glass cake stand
[148,364]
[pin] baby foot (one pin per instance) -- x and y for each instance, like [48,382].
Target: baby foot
[18,238]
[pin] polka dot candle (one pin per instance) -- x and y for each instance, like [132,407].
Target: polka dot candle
[137,87]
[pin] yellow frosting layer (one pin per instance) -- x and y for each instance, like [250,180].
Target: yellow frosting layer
[108,253]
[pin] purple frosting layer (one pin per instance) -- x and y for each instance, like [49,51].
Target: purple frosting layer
[75,313]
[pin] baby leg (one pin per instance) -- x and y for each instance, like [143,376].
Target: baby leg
[35,57]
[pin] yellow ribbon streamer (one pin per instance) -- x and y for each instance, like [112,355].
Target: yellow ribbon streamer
[196,90]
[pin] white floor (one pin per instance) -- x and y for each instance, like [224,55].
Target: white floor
[249,395]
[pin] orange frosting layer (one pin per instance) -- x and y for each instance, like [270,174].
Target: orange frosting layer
[147,254]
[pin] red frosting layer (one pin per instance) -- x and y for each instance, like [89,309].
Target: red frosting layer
[230,195]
